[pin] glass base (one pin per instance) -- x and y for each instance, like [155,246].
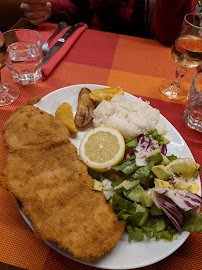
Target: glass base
[191,121]
[172,91]
[9,94]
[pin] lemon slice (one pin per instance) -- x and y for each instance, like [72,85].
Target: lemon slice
[102,147]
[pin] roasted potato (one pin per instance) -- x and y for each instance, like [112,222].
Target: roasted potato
[105,94]
[64,114]
[85,108]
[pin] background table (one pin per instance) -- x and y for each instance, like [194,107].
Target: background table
[137,65]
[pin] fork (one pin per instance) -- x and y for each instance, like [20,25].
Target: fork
[45,47]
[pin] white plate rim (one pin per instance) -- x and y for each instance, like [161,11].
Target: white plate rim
[102,262]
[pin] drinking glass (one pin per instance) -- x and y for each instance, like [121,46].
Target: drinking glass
[8,92]
[24,54]
[187,52]
[193,111]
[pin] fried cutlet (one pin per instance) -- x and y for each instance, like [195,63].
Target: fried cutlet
[45,173]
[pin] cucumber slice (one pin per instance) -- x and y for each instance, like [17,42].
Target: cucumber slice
[144,210]
[160,225]
[138,194]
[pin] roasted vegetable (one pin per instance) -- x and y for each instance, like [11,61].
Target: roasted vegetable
[106,93]
[86,106]
[64,114]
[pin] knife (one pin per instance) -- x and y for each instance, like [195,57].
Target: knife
[60,42]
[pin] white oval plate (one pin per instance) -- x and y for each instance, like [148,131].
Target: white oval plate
[124,255]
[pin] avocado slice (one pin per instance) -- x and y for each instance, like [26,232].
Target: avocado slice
[97,185]
[154,156]
[165,140]
[161,183]
[161,172]
[165,161]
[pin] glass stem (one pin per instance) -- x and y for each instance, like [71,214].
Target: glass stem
[180,73]
[2,87]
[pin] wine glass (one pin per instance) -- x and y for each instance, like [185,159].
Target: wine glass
[187,52]
[8,92]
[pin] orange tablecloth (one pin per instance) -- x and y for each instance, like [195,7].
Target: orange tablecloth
[137,65]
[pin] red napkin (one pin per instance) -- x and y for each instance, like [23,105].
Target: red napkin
[48,67]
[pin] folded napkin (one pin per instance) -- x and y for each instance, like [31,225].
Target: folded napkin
[46,32]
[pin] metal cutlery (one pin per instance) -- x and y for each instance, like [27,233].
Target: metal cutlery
[45,47]
[60,42]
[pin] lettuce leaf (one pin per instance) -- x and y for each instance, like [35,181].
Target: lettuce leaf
[131,143]
[119,204]
[145,175]
[133,220]
[143,172]
[135,234]
[172,157]
[159,137]
[167,234]
[192,222]
[127,166]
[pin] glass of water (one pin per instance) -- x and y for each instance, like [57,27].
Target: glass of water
[8,92]
[24,54]
[193,111]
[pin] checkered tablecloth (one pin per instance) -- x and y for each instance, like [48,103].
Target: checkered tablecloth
[137,65]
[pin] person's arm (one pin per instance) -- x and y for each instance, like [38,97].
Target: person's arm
[168,18]
[36,11]
[71,11]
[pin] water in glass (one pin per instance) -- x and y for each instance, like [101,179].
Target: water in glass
[24,54]
[24,62]
[193,111]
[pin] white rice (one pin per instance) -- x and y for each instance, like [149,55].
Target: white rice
[130,116]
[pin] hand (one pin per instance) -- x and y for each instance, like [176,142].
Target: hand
[36,11]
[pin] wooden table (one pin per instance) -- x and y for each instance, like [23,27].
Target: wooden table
[138,65]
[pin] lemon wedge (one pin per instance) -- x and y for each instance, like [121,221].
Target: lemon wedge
[102,147]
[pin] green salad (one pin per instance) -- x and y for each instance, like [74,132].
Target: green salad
[154,193]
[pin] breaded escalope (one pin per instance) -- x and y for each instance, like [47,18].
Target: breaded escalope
[45,173]
[30,127]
